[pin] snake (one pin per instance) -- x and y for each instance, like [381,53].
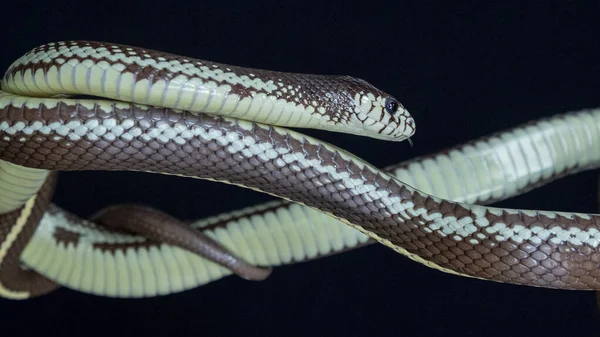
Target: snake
[167,114]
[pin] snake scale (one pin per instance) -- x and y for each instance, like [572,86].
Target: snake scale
[168,114]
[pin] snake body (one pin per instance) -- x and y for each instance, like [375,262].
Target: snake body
[549,249]
[281,232]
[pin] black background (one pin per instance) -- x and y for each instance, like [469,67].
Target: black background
[462,70]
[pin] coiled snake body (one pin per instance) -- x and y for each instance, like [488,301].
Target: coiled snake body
[194,118]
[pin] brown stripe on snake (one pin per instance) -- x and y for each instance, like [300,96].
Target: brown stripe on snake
[19,226]
[303,170]
[160,227]
[66,237]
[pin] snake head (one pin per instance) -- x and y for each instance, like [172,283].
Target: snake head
[385,115]
[368,111]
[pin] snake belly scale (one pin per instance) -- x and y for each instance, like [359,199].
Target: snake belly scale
[171,128]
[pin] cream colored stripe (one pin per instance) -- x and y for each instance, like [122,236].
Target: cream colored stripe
[8,242]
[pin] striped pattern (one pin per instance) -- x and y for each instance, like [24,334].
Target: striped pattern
[7,244]
[297,233]
[517,246]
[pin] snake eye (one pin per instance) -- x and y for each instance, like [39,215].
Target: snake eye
[391,106]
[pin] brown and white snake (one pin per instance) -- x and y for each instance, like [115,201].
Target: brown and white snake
[205,120]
